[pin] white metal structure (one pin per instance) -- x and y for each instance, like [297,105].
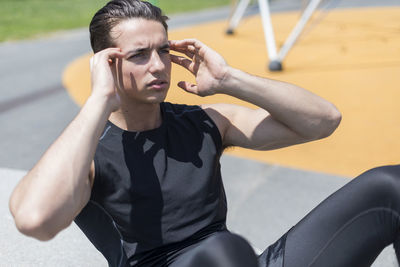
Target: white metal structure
[275,57]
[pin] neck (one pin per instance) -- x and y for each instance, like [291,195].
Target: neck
[137,118]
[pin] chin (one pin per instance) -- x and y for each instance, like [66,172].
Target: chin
[150,98]
[156,99]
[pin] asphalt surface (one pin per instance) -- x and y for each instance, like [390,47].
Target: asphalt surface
[265,200]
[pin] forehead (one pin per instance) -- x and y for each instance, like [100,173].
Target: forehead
[138,32]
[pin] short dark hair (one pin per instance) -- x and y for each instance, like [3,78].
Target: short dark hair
[116,11]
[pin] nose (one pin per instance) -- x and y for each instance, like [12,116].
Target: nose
[156,63]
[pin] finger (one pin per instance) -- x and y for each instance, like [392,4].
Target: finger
[188,87]
[108,54]
[184,62]
[177,44]
[189,53]
[192,49]
[111,51]
[111,55]
[186,42]
[187,50]
[190,46]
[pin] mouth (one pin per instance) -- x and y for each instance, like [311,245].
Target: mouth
[158,84]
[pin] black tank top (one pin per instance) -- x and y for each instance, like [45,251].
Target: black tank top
[156,189]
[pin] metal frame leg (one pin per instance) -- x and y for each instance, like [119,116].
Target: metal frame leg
[275,64]
[237,15]
[294,35]
[275,58]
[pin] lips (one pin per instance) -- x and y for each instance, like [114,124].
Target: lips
[158,84]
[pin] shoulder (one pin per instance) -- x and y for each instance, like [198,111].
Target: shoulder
[222,114]
[231,118]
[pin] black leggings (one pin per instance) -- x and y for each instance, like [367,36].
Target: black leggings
[349,228]
[352,226]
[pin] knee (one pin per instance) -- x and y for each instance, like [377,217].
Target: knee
[226,249]
[384,180]
[227,241]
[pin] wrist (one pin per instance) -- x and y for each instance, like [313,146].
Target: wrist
[229,81]
[102,104]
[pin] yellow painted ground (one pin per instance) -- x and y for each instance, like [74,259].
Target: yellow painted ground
[351,58]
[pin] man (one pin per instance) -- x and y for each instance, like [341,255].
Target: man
[140,176]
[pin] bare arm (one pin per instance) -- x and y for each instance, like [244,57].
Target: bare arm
[50,196]
[287,114]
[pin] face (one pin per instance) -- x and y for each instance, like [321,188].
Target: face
[143,75]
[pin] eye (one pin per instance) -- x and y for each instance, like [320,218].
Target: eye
[164,51]
[138,55]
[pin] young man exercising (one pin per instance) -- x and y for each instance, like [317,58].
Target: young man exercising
[141,177]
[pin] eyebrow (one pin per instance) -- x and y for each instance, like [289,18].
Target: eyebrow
[144,49]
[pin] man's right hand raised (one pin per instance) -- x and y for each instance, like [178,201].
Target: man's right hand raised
[103,68]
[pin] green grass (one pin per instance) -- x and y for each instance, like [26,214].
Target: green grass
[21,19]
[178,6]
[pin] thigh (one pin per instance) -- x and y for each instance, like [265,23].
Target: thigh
[352,226]
[220,250]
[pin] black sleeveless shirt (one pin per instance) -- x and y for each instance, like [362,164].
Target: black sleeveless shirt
[156,190]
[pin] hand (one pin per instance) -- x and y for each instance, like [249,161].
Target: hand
[102,66]
[207,66]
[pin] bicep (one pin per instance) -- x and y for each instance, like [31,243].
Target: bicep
[251,128]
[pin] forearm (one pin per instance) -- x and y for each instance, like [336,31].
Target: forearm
[52,193]
[302,111]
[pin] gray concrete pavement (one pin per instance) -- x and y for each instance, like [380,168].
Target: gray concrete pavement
[69,248]
[264,200]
